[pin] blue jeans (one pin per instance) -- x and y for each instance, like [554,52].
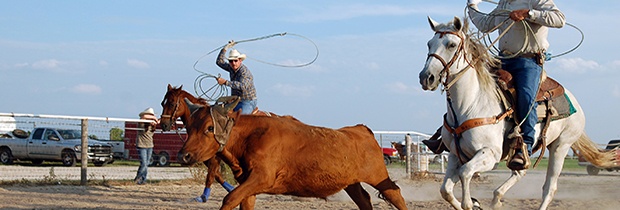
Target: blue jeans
[246,106]
[526,76]
[145,157]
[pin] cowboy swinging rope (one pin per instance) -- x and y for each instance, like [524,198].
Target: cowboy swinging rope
[215,91]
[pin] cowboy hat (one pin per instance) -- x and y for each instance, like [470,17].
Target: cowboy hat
[147,111]
[234,55]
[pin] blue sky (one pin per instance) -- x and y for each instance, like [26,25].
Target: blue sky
[115,58]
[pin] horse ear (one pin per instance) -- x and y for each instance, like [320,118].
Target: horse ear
[432,23]
[191,106]
[457,23]
[169,87]
[181,87]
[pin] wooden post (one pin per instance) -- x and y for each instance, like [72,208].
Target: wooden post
[84,172]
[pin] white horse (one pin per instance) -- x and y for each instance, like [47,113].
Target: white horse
[463,66]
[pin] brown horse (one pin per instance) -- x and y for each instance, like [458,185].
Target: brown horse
[173,108]
[280,155]
[401,150]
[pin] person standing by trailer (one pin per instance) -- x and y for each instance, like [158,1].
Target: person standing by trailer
[144,143]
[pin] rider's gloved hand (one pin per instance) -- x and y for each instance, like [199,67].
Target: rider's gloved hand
[230,44]
[473,2]
[519,15]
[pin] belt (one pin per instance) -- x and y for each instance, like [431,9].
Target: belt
[524,55]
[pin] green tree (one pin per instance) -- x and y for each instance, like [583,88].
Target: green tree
[116,134]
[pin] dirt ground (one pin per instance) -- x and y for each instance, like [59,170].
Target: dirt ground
[576,191]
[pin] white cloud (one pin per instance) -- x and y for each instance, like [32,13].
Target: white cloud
[103,63]
[291,90]
[400,87]
[616,91]
[343,12]
[86,88]
[576,65]
[47,64]
[138,64]
[21,65]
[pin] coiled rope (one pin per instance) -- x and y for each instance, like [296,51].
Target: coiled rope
[496,52]
[215,91]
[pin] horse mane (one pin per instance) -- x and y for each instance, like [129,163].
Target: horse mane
[178,91]
[482,61]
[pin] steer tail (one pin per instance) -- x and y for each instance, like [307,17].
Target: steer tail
[590,151]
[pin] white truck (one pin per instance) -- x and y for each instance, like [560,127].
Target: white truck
[51,144]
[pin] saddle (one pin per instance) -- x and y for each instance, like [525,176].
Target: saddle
[549,91]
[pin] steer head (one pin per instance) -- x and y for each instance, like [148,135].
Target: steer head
[208,129]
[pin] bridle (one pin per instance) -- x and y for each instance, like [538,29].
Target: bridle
[176,107]
[447,65]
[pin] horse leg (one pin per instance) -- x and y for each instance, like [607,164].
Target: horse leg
[483,160]
[449,180]
[217,173]
[359,196]
[211,164]
[391,192]
[499,193]
[557,153]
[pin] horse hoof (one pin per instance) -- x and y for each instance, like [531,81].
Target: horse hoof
[477,205]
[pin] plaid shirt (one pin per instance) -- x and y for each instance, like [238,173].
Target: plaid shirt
[241,81]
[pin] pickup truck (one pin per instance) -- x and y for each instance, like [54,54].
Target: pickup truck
[390,155]
[50,144]
[594,170]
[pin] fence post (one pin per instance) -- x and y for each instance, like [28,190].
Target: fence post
[408,153]
[84,158]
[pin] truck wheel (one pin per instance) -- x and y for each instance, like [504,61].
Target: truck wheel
[164,159]
[37,162]
[99,164]
[6,157]
[68,158]
[386,160]
[152,160]
[592,170]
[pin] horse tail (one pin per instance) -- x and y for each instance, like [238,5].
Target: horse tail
[591,152]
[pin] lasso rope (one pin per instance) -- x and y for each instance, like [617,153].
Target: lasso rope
[496,52]
[217,90]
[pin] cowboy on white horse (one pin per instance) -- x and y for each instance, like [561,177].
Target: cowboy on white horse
[522,53]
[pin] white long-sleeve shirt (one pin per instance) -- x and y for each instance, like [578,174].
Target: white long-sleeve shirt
[544,14]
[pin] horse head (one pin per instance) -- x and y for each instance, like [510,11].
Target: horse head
[444,49]
[208,129]
[174,107]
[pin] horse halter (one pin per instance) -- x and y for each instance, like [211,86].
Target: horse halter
[447,65]
[176,107]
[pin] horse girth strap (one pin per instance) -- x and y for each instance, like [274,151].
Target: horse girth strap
[476,122]
[222,125]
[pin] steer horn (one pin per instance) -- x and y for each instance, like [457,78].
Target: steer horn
[192,107]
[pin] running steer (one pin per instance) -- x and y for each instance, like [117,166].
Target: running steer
[285,156]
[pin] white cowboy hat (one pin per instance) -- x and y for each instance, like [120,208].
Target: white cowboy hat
[147,111]
[234,55]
